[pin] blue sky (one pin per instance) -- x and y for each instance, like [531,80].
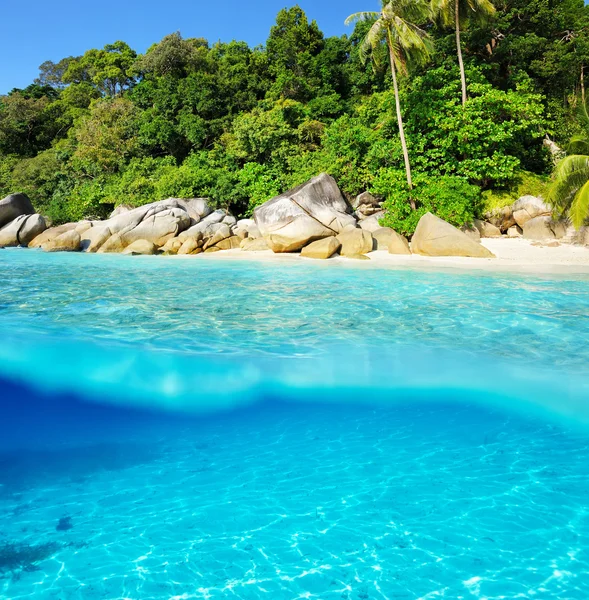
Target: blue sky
[37,30]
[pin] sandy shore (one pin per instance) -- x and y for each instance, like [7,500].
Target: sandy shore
[512,255]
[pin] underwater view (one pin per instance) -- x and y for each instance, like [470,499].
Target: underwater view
[178,429]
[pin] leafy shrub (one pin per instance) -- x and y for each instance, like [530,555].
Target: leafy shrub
[449,197]
[525,183]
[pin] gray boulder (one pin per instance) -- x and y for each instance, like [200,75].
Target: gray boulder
[366,205]
[502,218]
[542,228]
[310,212]
[514,232]
[14,206]
[372,223]
[386,238]
[487,230]
[472,232]
[529,207]
[22,230]
[435,237]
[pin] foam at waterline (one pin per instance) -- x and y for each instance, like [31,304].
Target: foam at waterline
[160,379]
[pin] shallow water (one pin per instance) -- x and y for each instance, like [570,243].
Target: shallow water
[207,429]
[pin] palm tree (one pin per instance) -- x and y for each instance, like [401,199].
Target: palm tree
[406,42]
[569,193]
[457,12]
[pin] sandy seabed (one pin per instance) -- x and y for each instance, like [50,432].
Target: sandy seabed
[515,255]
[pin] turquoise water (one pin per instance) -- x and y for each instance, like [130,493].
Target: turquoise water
[228,429]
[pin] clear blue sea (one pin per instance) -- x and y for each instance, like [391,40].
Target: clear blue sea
[179,429]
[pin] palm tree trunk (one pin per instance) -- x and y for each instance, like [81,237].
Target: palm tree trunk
[459,50]
[401,128]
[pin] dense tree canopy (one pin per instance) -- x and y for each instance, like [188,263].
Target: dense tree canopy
[241,124]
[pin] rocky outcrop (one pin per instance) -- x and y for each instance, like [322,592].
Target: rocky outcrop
[93,238]
[543,228]
[372,223]
[514,232]
[472,232]
[13,206]
[50,234]
[140,247]
[366,205]
[66,242]
[435,237]
[487,230]
[22,230]
[322,249]
[310,212]
[355,241]
[502,218]
[529,207]
[388,239]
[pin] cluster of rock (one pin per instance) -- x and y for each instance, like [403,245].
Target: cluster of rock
[19,224]
[313,219]
[530,217]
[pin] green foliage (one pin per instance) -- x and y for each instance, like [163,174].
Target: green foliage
[524,184]
[240,124]
[449,197]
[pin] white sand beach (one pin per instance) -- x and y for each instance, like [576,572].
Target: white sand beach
[512,255]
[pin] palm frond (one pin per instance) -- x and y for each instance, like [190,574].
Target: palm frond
[580,206]
[361,16]
[579,144]
[570,175]
[443,11]
[480,10]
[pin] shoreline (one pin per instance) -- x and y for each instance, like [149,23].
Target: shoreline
[512,256]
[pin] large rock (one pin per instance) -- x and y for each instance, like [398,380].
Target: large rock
[472,232]
[114,244]
[372,223]
[386,238]
[156,222]
[355,241]
[514,232]
[529,207]
[246,228]
[230,243]
[66,242]
[92,239]
[366,205]
[206,227]
[540,228]
[188,247]
[140,247]
[50,234]
[310,212]
[22,230]
[436,237]
[14,206]
[487,230]
[324,248]
[501,218]
[221,232]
